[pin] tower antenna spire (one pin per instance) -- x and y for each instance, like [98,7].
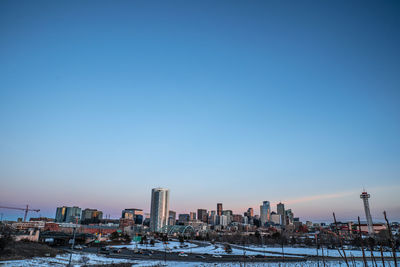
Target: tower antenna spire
[365,196]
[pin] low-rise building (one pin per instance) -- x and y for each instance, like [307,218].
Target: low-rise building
[377,227]
[31,235]
[22,226]
[124,222]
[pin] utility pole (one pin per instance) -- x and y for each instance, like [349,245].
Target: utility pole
[282,235]
[165,254]
[262,242]
[73,243]
[316,245]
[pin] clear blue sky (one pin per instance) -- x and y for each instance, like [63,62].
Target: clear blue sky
[219,101]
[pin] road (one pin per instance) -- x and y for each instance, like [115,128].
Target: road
[155,255]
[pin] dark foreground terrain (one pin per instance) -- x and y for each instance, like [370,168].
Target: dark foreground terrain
[22,250]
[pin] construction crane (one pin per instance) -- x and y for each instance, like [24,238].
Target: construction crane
[27,209]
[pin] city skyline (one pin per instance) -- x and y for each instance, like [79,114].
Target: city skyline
[115,213]
[221,102]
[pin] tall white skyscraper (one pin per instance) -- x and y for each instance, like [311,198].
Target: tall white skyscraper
[159,211]
[265,211]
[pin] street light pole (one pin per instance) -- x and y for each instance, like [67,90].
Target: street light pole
[165,254]
[263,245]
[73,244]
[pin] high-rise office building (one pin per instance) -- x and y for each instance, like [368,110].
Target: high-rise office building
[237,218]
[91,216]
[202,215]
[212,218]
[265,211]
[68,214]
[61,213]
[228,214]
[219,209]
[223,220]
[289,216]
[192,216]
[276,218]
[250,212]
[183,218]
[280,209]
[172,217]
[74,214]
[133,214]
[159,211]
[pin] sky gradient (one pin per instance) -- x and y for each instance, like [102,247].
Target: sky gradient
[220,101]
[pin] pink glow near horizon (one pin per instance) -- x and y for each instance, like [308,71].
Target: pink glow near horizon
[316,210]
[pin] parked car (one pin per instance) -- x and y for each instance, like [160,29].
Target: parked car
[182,255]
[217,256]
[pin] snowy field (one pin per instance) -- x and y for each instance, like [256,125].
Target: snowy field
[241,264]
[159,246]
[272,264]
[313,251]
[80,259]
[174,246]
[94,259]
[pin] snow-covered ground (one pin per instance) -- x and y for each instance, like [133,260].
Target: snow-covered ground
[94,259]
[313,251]
[78,259]
[174,246]
[258,264]
[158,246]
